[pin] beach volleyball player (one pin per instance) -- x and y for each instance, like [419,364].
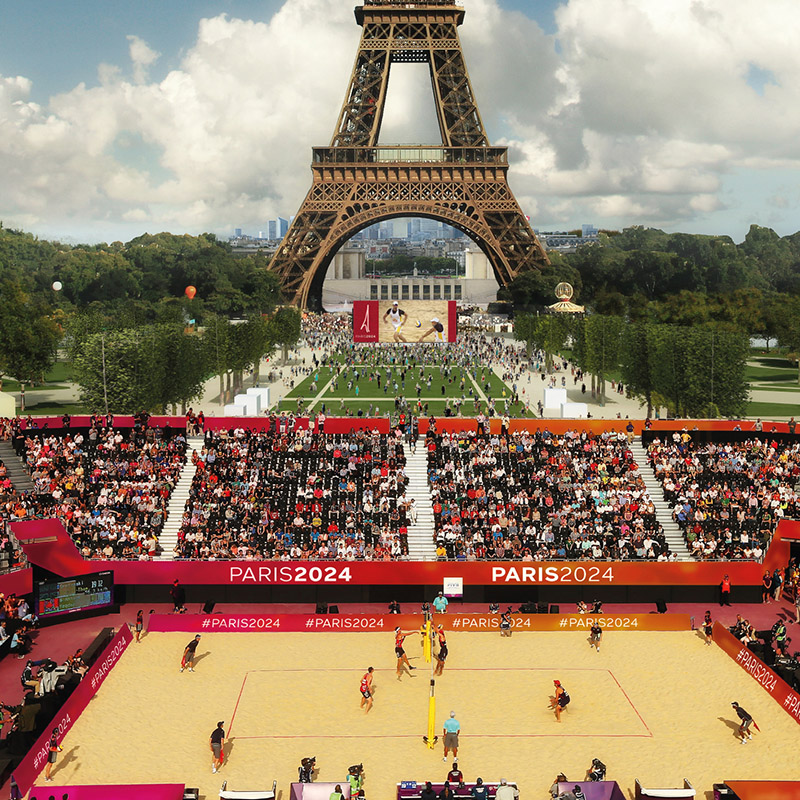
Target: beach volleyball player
[366,690]
[397,317]
[436,328]
[402,658]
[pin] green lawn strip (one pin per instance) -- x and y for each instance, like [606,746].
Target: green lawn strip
[10,385]
[773,362]
[369,388]
[53,409]
[768,410]
[307,388]
[774,387]
[59,372]
[759,375]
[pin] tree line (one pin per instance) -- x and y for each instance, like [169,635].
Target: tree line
[686,279]
[696,371]
[121,312]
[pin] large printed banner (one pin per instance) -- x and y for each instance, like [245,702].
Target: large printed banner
[780,691]
[404,322]
[30,767]
[378,623]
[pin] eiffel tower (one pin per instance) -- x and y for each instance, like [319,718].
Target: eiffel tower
[357,182]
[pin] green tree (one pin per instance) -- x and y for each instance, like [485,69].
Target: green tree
[603,342]
[28,334]
[284,329]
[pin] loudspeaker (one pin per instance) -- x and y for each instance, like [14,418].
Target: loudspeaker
[528,608]
[322,608]
[208,607]
[554,609]
[769,656]
[661,606]
[542,607]
[333,609]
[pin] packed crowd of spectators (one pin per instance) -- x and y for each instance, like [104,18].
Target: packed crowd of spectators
[110,487]
[294,494]
[727,497]
[540,496]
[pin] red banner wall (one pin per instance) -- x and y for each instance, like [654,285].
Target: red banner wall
[779,690]
[380,623]
[48,545]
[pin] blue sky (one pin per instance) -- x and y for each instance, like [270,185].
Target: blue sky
[189,116]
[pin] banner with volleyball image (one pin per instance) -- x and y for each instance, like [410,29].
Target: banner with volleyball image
[404,321]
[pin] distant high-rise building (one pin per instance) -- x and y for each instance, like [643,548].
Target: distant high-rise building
[237,231]
[272,226]
[588,230]
[283,227]
[261,234]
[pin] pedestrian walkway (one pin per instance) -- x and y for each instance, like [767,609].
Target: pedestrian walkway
[177,502]
[421,546]
[672,532]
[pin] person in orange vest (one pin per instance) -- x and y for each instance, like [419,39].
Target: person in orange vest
[725,591]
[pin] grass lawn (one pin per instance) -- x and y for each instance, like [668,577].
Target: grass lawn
[382,397]
[10,385]
[59,372]
[770,374]
[770,410]
[53,409]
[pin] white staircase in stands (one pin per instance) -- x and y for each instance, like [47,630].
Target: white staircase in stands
[177,502]
[672,532]
[420,534]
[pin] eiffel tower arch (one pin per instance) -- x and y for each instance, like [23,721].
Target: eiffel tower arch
[356,182]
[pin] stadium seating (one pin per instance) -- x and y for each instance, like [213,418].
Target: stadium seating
[727,497]
[540,496]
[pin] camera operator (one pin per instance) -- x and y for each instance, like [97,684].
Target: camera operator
[355,777]
[597,772]
[505,622]
[305,772]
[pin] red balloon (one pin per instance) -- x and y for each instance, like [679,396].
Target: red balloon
[190,292]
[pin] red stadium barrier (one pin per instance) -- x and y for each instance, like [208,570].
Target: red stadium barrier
[33,763]
[376,623]
[779,690]
[47,544]
[18,582]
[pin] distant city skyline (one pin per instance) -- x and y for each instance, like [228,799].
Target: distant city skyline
[190,117]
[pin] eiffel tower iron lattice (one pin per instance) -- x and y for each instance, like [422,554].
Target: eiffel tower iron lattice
[357,182]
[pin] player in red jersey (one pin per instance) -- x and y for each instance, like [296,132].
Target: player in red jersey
[402,658]
[366,690]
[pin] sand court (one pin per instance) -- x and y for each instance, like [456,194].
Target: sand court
[653,705]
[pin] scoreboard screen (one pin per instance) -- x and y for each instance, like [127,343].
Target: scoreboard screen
[56,597]
[404,321]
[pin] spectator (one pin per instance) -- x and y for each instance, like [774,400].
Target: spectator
[506,791]
[428,793]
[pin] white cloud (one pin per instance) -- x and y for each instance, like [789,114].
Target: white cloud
[638,116]
[142,57]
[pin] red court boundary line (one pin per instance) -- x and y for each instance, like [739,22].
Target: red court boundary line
[648,735]
[471,736]
[236,707]
[636,710]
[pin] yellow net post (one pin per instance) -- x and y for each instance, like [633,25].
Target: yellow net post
[426,645]
[431,738]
